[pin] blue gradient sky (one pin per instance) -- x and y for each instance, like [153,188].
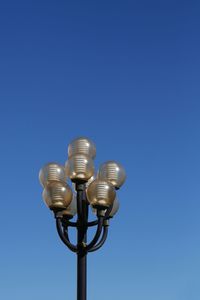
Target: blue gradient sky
[126,74]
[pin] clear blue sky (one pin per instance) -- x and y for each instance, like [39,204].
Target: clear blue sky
[126,74]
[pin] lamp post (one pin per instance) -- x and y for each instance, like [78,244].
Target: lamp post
[98,193]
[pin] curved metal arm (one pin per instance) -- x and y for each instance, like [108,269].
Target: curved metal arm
[97,235]
[102,241]
[92,223]
[64,236]
[71,224]
[108,212]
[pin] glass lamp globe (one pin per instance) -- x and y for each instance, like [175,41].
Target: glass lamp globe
[112,172]
[82,145]
[114,210]
[57,195]
[52,172]
[79,167]
[100,194]
[71,210]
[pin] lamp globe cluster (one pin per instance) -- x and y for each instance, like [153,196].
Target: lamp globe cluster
[57,194]
[86,189]
[80,164]
[101,192]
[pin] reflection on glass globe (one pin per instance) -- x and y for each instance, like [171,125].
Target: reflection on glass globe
[57,195]
[52,172]
[82,145]
[101,194]
[79,167]
[90,181]
[71,210]
[114,210]
[113,172]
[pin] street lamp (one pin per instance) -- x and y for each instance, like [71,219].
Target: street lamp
[99,193]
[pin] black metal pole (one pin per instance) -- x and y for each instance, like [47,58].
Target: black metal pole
[82,238]
[81,275]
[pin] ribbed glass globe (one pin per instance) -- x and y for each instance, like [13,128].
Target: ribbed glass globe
[71,210]
[52,172]
[114,210]
[82,145]
[113,172]
[101,194]
[79,167]
[57,195]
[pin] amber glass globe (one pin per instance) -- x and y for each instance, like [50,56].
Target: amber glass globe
[71,210]
[112,172]
[101,194]
[57,195]
[114,210]
[79,167]
[82,145]
[52,172]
